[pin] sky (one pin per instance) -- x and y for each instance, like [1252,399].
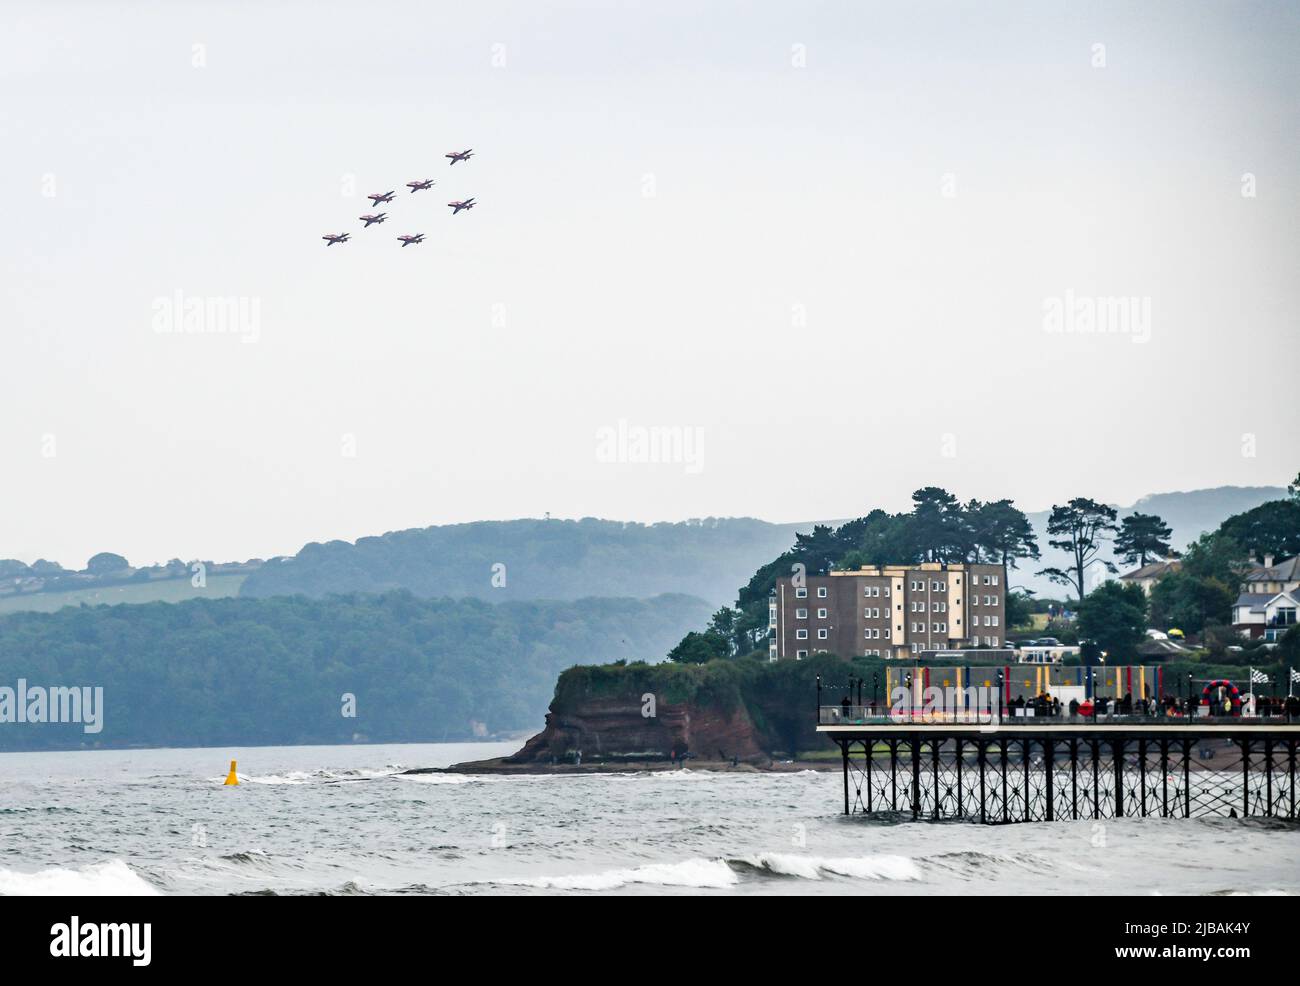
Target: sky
[789,261]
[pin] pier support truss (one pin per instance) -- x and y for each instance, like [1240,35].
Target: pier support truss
[1041,778]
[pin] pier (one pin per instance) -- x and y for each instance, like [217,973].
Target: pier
[997,765]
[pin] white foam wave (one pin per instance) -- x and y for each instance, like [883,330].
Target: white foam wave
[323,775]
[112,878]
[705,873]
[883,867]
[439,778]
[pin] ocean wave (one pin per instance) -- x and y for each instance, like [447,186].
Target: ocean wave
[256,857]
[699,872]
[723,874]
[440,778]
[883,867]
[112,878]
[972,864]
[321,775]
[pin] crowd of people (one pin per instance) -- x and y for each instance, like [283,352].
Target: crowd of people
[1216,703]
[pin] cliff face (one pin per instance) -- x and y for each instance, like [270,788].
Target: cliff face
[616,729]
[752,711]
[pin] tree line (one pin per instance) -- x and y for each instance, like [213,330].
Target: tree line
[275,671]
[1195,597]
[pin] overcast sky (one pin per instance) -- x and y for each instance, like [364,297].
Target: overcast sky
[845,249]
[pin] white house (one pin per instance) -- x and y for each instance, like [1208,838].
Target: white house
[1267,615]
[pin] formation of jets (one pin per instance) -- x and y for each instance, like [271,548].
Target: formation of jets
[383,198]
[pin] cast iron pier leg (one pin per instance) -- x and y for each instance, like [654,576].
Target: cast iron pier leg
[1164,777]
[844,750]
[916,777]
[1006,808]
[1268,775]
[1290,769]
[1142,773]
[934,761]
[1024,755]
[1245,777]
[1117,758]
[1048,750]
[960,812]
[893,775]
[1074,779]
[982,749]
[868,751]
[1096,788]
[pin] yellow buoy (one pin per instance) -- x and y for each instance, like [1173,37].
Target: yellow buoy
[232,778]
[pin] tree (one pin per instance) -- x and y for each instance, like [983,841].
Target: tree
[699,648]
[1080,528]
[730,625]
[1215,556]
[818,550]
[1293,487]
[1114,616]
[1190,603]
[12,568]
[1018,611]
[1143,537]
[1272,528]
[105,563]
[1288,648]
[878,539]
[1000,532]
[938,528]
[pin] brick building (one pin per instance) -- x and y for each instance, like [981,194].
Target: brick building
[896,611]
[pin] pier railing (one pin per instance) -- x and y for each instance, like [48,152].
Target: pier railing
[881,715]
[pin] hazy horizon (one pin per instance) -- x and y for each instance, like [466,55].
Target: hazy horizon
[837,254]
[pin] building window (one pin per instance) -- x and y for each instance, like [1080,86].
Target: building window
[801,635]
[821,612]
[821,592]
[886,633]
[799,655]
[801,614]
[800,593]
[822,634]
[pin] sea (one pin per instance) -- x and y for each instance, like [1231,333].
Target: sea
[346,820]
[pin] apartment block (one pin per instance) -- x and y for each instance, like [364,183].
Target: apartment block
[896,611]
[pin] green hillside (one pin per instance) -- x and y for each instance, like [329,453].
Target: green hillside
[157,591]
[275,671]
